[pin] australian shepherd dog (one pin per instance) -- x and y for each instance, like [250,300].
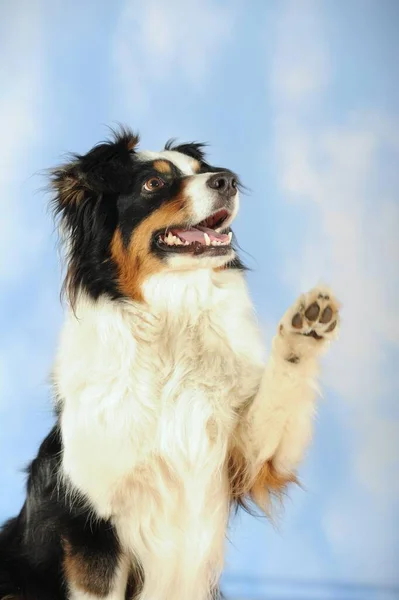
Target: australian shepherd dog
[167,413]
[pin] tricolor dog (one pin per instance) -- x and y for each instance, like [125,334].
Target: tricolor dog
[167,413]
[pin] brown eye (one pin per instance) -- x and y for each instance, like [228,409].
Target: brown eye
[153,184]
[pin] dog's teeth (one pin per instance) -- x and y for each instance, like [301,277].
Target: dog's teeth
[230,236]
[214,243]
[207,239]
[172,240]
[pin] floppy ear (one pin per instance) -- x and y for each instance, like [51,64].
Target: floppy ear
[105,169]
[84,199]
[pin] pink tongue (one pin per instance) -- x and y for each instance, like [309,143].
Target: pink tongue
[196,234]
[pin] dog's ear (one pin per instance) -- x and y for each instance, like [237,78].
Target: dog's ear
[84,192]
[105,169]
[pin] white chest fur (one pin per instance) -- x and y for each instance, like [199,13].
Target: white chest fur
[149,402]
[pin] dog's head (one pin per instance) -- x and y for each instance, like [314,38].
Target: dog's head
[128,214]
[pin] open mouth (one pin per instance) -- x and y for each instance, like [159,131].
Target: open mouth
[206,236]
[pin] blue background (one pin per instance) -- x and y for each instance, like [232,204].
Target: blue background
[301,98]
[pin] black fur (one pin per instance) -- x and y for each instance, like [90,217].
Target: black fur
[86,193]
[193,149]
[32,545]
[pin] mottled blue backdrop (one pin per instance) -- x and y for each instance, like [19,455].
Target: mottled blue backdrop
[301,97]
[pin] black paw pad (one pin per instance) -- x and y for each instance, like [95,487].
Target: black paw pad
[326,315]
[314,335]
[312,312]
[297,321]
[331,327]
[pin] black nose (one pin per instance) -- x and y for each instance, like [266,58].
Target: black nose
[225,183]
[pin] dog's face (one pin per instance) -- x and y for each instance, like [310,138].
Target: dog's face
[129,214]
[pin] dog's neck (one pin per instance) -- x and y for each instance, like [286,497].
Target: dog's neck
[176,292]
[196,302]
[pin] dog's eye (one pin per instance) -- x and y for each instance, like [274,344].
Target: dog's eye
[152,184]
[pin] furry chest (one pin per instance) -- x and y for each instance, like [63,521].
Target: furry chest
[197,367]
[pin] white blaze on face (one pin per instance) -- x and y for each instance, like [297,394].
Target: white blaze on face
[184,163]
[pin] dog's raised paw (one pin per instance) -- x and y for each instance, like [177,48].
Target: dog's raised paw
[312,320]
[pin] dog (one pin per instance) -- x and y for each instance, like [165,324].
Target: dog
[167,414]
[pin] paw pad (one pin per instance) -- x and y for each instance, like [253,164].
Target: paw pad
[297,321]
[326,315]
[312,312]
[316,315]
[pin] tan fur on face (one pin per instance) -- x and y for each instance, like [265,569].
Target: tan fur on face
[162,166]
[267,482]
[136,262]
[196,165]
[78,573]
